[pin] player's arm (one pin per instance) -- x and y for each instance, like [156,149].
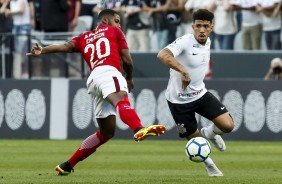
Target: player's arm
[127,62]
[38,50]
[127,67]
[167,58]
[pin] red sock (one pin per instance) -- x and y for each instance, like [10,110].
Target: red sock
[128,115]
[88,146]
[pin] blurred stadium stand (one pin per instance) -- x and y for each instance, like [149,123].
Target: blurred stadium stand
[226,64]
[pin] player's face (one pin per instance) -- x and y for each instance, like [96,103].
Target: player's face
[115,21]
[202,29]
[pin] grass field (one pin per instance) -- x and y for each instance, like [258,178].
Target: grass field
[148,162]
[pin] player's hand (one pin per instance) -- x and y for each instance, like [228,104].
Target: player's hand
[185,78]
[130,84]
[35,51]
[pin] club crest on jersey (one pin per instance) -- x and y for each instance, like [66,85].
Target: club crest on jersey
[181,129]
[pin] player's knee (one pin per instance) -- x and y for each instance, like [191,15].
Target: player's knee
[229,126]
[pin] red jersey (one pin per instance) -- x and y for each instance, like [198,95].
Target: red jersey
[101,46]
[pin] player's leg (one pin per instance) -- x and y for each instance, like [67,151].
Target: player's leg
[222,124]
[210,166]
[126,113]
[186,123]
[105,115]
[90,144]
[222,121]
[107,85]
[114,90]
[129,116]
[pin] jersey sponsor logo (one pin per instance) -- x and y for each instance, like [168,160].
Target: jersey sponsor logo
[102,29]
[189,95]
[86,36]
[194,54]
[93,37]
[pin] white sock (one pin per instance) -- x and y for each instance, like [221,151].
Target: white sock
[208,161]
[213,130]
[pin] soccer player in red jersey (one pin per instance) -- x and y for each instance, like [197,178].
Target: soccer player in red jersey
[102,49]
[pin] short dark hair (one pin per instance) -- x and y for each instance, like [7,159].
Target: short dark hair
[203,14]
[106,12]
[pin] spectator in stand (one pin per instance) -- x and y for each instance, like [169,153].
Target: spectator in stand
[54,19]
[225,23]
[275,70]
[35,12]
[6,23]
[74,12]
[251,27]
[185,20]
[108,4]
[174,19]
[271,24]
[278,12]
[35,9]
[31,10]
[137,30]
[87,7]
[54,15]
[20,12]
[157,11]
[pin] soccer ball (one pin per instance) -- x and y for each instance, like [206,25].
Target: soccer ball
[198,149]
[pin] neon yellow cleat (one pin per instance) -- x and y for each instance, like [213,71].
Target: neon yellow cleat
[64,169]
[153,130]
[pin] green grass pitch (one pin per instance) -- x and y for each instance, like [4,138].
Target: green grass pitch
[147,162]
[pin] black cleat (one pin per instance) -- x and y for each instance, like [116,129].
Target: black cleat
[64,169]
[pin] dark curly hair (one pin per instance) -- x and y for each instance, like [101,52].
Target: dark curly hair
[107,12]
[203,14]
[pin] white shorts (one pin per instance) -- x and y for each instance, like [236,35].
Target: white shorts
[103,81]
